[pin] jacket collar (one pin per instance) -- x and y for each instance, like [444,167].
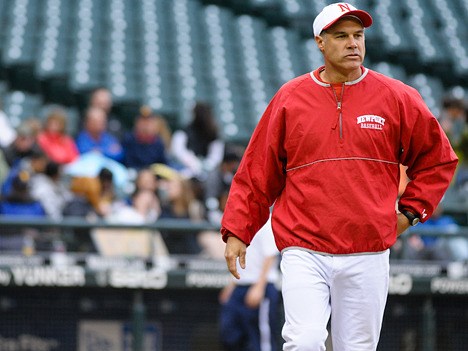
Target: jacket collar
[319,82]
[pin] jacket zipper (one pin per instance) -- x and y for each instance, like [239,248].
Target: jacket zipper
[338,107]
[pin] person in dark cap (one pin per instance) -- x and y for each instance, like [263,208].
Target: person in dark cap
[23,145]
[326,154]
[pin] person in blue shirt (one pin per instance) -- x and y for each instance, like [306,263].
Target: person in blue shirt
[144,146]
[95,137]
[19,202]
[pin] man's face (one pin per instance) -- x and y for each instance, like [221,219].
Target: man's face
[103,99]
[96,121]
[343,45]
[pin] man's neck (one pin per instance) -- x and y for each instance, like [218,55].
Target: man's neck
[334,76]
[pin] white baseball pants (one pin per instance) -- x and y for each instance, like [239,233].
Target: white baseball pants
[351,289]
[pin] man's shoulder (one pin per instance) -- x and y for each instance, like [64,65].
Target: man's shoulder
[395,86]
[391,82]
[295,82]
[293,86]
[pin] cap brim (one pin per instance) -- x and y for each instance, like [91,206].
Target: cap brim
[363,16]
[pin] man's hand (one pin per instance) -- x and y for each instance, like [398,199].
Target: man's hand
[255,295]
[235,248]
[402,223]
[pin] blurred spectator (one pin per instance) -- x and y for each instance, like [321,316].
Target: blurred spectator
[440,246]
[98,191]
[178,202]
[34,123]
[461,177]
[218,183]
[178,199]
[19,200]
[198,147]
[8,133]
[50,190]
[54,140]
[34,163]
[94,136]
[164,132]
[453,119]
[144,145]
[144,199]
[4,167]
[101,97]
[23,146]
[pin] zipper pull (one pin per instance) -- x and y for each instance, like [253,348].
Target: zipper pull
[336,120]
[338,106]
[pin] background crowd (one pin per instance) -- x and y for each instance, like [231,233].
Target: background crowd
[149,172]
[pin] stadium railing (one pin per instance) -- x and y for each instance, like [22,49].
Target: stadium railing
[429,282]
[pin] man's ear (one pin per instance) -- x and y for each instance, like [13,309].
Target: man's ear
[319,40]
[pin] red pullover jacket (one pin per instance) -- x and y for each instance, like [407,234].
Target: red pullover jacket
[331,166]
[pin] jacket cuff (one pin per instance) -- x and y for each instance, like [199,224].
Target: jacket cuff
[226,234]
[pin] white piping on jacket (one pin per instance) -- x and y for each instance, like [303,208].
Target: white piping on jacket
[341,159]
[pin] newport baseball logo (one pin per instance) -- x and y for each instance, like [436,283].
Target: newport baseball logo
[371,122]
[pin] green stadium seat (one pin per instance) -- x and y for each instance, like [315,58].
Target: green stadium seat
[19,106]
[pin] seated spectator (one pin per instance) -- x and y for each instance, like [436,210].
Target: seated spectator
[164,131]
[50,190]
[4,168]
[178,199]
[453,119]
[101,97]
[33,164]
[198,147]
[178,202]
[461,177]
[94,136]
[218,183]
[442,246]
[89,165]
[56,143]
[98,191]
[19,200]
[8,133]
[23,146]
[144,199]
[144,146]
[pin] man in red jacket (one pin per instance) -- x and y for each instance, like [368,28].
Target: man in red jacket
[327,153]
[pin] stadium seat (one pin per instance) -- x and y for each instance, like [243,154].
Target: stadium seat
[19,106]
[430,88]
[86,64]
[234,54]
[19,46]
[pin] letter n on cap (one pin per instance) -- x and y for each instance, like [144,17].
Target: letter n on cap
[344,7]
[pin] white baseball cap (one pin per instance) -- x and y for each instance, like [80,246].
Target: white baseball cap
[332,13]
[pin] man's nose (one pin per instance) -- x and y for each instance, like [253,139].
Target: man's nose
[352,42]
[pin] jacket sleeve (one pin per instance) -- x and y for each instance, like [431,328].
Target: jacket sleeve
[427,152]
[260,177]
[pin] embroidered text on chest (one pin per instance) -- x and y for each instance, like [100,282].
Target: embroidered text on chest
[371,122]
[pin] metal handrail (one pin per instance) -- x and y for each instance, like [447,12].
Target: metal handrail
[169,224]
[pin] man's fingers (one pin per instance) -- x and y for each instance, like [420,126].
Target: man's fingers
[231,262]
[235,249]
[242,259]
